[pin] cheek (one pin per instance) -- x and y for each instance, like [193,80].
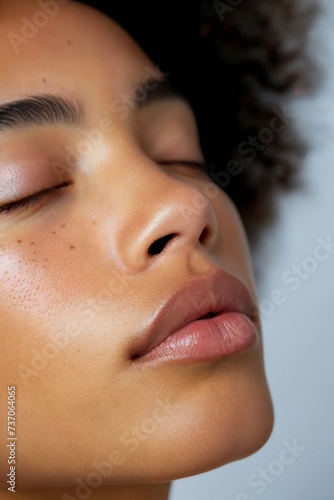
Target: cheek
[49,267]
[63,301]
[61,346]
[35,278]
[44,286]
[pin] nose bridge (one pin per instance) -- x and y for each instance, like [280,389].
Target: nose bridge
[158,214]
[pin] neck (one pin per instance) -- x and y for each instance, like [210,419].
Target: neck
[126,492]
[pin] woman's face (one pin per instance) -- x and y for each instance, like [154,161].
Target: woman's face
[89,270]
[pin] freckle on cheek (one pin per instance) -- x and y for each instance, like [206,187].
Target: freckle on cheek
[19,241]
[72,247]
[63,225]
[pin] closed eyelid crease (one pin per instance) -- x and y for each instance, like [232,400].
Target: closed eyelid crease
[11,206]
[199,164]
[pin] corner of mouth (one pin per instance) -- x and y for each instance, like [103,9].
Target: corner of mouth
[254,315]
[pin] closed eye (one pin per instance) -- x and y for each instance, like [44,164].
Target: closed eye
[31,200]
[34,199]
[196,164]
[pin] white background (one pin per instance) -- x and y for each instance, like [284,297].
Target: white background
[298,334]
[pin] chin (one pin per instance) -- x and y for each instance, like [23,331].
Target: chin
[230,438]
[222,421]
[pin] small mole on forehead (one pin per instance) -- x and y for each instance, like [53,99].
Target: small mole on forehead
[44,80]
[53,232]
[19,241]
[69,42]
[32,242]
[72,247]
[63,225]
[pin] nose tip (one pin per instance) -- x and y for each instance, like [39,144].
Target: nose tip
[171,221]
[190,228]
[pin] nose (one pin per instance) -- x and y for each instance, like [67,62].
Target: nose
[160,216]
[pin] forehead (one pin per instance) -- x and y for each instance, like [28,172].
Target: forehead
[71,48]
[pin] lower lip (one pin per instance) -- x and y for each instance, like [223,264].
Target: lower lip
[204,340]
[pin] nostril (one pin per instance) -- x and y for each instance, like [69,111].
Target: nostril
[204,236]
[158,245]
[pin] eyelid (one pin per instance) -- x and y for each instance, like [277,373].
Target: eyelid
[202,165]
[22,203]
[35,197]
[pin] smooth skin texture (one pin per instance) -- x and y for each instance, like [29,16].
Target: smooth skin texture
[78,284]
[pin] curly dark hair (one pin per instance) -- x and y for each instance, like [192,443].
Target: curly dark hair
[238,62]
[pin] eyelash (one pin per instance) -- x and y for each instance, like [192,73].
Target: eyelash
[201,166]
[34,199]
[31,200]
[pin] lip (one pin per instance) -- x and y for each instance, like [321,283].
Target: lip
[180,331]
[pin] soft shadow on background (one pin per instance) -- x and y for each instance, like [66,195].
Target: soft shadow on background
[296,264]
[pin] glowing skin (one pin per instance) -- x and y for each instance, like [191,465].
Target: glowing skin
[78,284]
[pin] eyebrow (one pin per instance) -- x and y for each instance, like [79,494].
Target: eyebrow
[49,109]
[157,90]
[46,109]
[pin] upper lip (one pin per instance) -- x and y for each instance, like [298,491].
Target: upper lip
[214,293]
